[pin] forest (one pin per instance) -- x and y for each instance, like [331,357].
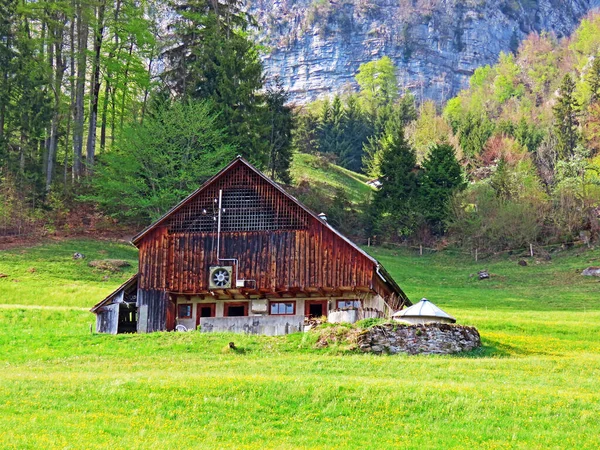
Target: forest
[117,110]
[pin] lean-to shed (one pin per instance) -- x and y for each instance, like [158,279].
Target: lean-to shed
[117,313]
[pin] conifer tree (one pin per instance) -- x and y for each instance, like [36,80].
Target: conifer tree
[324,126]
[214,59]
[397,200]
[440,178]
[566,120]
[356,131]
[593,80]
[279,118]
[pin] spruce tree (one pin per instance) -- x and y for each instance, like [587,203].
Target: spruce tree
[279,119]
[566,120]
[324,126]
[440,178]
[593,80]
[356,131]
[214,59]
[396,201]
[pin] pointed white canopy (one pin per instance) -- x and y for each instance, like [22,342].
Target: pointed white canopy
[424,311]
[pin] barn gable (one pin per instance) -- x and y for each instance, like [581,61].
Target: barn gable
[277,248]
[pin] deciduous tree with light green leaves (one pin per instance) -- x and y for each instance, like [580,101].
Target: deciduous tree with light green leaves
[161,161]
[378,84]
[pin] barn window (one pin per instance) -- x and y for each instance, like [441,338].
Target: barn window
[184,311]
[235,309]
[280,308]
[344,304]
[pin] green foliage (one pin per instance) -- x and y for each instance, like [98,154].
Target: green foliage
[566,118]
[427,130]
[506,84]
[528,135]
[356,132]
[370,322]
[441,177]
[280,123]
[501,181]
[215,59]
[378,84]
[161,161]
[481,219]
[593,79]
[474,132]
[480,76]
[397,200]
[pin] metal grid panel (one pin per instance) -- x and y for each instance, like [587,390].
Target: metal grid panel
[248,204]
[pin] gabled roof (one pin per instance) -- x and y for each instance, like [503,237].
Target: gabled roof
[382,273]
[424,309]
[130,282]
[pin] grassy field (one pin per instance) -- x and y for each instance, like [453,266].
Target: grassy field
[534,385]
[325,177]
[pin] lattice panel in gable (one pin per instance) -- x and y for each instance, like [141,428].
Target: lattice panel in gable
[249,203]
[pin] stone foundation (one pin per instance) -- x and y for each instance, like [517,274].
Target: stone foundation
[431,338]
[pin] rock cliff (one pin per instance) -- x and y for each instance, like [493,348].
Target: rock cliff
[316,46]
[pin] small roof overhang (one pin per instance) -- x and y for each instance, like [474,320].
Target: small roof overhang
[129,283]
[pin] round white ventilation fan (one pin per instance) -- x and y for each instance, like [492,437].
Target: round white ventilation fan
[220,277]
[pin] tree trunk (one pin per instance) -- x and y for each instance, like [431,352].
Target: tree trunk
[104,115]
[72,91]
[82,38]
[146,91]
[125,87]
[95,88]
[60,67]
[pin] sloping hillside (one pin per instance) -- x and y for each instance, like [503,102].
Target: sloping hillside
[323,178]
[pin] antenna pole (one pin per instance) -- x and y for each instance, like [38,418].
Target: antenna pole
[219,225]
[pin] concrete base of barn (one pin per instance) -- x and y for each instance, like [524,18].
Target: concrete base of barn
[267,325]
[430,338]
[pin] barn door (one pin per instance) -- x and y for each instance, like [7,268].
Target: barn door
[171,311]
[204,310]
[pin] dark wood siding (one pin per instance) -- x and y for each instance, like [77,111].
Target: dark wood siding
[277,242]
[154,304]
[277,260]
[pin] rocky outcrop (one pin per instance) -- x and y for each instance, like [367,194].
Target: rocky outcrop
[591,272]
[431,338]
[316,46]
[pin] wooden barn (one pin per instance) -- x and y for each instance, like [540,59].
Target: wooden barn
[241,254]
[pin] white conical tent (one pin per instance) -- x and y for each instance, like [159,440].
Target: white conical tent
[423,312]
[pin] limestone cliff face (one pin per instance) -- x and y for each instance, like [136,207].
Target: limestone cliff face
[316,46]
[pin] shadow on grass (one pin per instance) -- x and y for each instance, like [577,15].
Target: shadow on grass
[497,349]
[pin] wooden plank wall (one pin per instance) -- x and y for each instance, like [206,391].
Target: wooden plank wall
[276,260]
[107,319]
[309,256]
[157,302]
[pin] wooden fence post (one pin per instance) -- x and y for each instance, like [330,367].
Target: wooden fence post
[476,255]
[531,249]
[420,249]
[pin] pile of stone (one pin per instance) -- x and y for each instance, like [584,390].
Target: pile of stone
[430,338]
[112,265]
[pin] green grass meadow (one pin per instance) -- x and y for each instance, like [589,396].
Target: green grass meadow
[325,177]
[535,384]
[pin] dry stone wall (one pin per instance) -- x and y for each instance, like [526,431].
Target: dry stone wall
[431,338]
